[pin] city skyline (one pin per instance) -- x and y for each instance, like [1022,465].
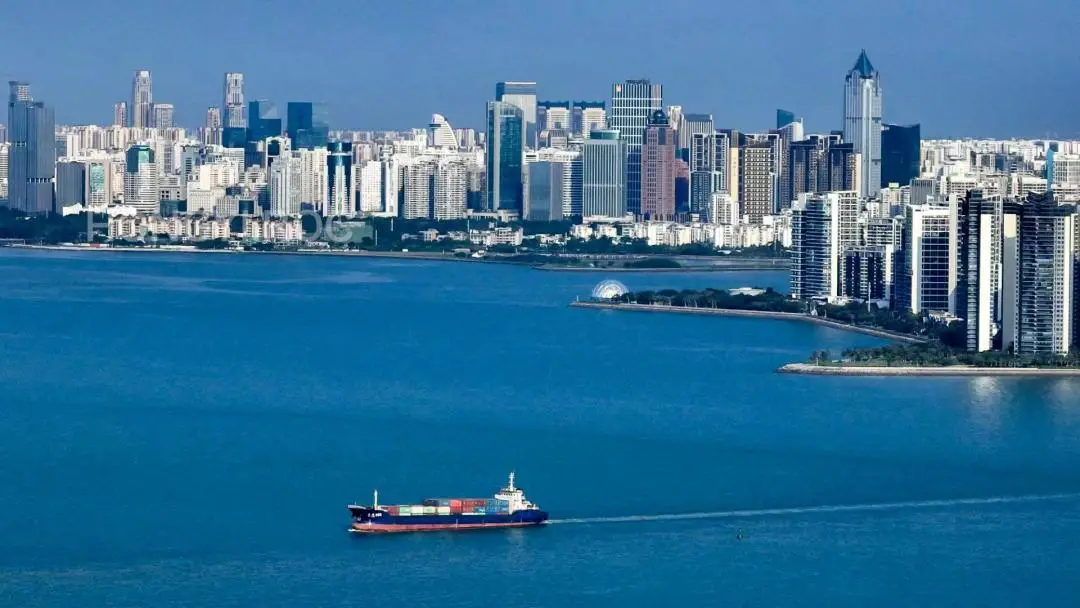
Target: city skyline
[755,74]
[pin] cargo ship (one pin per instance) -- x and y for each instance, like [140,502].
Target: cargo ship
[508,509]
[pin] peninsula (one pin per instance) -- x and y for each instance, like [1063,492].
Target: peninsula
[922,345]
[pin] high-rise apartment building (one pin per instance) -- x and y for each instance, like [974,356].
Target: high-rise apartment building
[120,114]
[757,181]
[1038,306]
[505,156]
[603,175]
[658,169]
[862,121]
[142,100]
[31,151]
[141,179]
[285,185]
[232,103]
[418,187]
[4,148]
[451,189]
[212,129]
[521,94]
[633,103]
[901,151]
[823,228]
[986,226]
[163,116]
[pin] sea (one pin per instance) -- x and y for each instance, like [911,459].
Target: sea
[188,429]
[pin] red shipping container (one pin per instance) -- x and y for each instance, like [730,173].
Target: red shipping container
[455,510]
[394,510]
[455,503]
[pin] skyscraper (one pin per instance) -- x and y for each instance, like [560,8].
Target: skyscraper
[120,114]
[505,156]
[901,148]
[862,121]
[658,169]
[340,196]
[141,182]
[31,153]
[633,102]
[232,102]
[523,95]
[163,116]
[142,100]
[702,161]
[603,175]
[307,125]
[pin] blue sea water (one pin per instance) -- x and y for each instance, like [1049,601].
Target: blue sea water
[186,430]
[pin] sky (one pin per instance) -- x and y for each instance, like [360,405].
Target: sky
[962,68]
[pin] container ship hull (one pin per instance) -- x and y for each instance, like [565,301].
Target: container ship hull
[386,523]
[508,509]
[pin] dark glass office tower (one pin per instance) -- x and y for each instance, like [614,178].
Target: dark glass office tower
[784,118]
[505,156]
[70,183]
[32,153]
[900,151]
[264,121]
[307,125]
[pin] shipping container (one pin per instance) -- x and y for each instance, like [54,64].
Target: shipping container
[404,510]
[454,502]
[444,502]
[444,510]
[429,510]
[393,510]
[456,510]
[479,510]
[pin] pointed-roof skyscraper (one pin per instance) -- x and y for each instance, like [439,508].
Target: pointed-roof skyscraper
[862,121]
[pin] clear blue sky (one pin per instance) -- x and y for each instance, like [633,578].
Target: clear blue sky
[961,67]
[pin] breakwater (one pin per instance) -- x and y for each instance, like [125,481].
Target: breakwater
[760,314]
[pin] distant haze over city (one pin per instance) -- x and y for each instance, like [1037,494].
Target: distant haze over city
[960,69]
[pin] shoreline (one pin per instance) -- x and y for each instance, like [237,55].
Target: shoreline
[400,255]
[705,268]
[943,371]
[759,314]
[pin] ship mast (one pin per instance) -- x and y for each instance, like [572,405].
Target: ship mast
[376,500]
[511,486]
